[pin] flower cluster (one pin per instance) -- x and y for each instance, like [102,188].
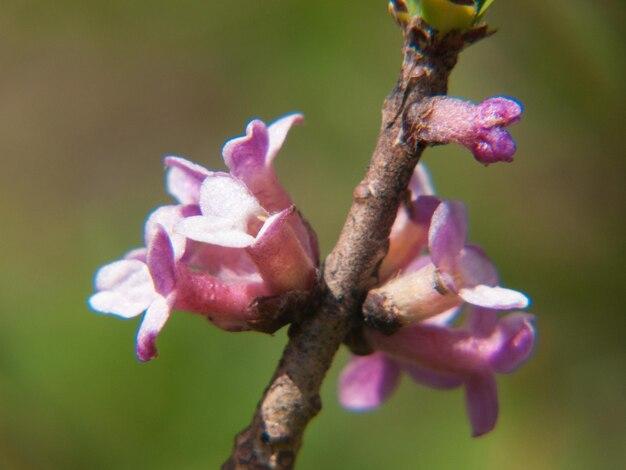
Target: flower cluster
[234,242]
[230,240]
[428,277]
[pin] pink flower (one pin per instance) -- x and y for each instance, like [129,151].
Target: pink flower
[429,273]
[222,249]
[443,357]
[232,217]
[480,128]
[455,272]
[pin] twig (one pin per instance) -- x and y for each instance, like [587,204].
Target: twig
[292,399]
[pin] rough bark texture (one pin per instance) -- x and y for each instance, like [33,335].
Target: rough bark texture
[292,399]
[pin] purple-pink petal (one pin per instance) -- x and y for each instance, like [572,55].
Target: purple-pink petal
[416,264]
[153,322]
[447,234]
[432,378]
[439,348]
[229,264]
[367,381]
[421,182]
[279,255]
[278,131]
[481,322]
[517,342]
[422,210]
[475,268]
[249,158]
[249,152]
[481,399]
[161,262]
[478,282]
[409,233]
[184,179]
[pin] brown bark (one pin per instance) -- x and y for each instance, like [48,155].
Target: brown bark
[292,399]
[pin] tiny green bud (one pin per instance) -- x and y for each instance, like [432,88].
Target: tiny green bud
[448,15]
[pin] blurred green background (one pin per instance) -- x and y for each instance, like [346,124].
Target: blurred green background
[94,93]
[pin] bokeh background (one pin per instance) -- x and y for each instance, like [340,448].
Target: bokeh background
[94,93]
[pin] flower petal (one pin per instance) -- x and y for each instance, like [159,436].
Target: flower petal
[444,349]
[228,264]
[248,152]
[249,159]
[422,210]
[431,378]
[184,179]
[168,217]
[161,262]
[516,344]
[279,255]
[226,197]
[447,234]
[497,298]
[409,234]
[125,289]
[474,268]
[214,230]
[278,131]
[481,321]
[367,381]
[481,399]
[153,322]
[420,183]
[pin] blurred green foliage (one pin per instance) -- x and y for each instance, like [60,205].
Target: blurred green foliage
[94,93]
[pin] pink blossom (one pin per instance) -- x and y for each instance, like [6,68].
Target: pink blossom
[453,273]
[429,273]
[440,356]
[221,249]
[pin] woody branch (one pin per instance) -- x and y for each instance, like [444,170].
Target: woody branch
[291,400]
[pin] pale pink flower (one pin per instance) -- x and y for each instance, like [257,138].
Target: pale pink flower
[222,249]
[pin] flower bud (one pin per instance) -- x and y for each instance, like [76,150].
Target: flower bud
[480,128]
